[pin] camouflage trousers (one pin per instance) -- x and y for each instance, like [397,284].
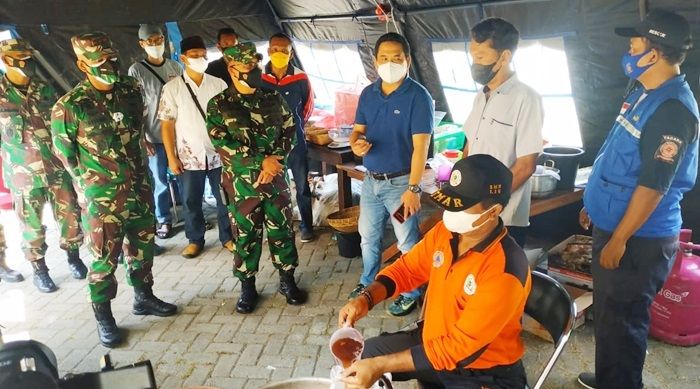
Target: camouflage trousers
[119,225]
[249,216]
[29,208]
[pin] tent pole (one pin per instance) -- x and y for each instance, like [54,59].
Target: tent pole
[52,71]
[643,8]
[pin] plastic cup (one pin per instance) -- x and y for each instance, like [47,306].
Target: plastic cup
[344,359]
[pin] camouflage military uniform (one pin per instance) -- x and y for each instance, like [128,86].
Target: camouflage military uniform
[245,129]
[98,137]
[31,170]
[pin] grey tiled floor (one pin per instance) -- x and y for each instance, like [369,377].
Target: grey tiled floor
[207,343]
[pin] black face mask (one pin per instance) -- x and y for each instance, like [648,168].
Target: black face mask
[27,66]
[482,74]
[252,78]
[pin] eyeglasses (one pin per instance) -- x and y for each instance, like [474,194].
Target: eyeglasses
[154,41]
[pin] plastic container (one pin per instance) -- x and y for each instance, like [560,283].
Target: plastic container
[349,244]
[452,155]
[564,158]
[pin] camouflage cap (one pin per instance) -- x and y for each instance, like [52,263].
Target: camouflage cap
[92,46]
[14,45]
[243,52]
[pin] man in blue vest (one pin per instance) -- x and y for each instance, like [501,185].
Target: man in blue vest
[648,161]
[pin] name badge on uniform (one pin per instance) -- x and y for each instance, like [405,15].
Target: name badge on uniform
[117,116]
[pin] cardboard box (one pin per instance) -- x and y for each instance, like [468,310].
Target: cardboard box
[568,273]
[583,300]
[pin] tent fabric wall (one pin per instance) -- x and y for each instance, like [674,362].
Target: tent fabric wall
[593,51]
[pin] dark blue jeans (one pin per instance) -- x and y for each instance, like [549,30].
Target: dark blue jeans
[158,164]
[192,191]
[299,164]
[621,300]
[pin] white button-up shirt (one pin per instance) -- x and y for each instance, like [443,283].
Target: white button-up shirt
[194,148]
[508,126]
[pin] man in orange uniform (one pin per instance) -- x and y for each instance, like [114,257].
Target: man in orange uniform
[478,282]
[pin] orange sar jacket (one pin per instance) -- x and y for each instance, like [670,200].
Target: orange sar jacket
[473,303]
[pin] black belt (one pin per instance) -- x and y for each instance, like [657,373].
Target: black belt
[387,176]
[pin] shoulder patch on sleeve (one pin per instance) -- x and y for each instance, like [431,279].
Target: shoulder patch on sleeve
[668,149]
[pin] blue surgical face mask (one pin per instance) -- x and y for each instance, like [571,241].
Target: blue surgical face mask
[629,65]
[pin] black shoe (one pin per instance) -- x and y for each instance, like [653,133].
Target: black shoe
[41,278]
[587,380]
[290,290]
[76,265]
[158,250]
[306,236]
[145,303]
[107,328]
[7,274]
[249,296]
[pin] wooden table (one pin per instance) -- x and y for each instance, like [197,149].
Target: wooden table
[347,171]
[329,156]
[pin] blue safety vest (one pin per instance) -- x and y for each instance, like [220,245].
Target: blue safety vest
[616,168]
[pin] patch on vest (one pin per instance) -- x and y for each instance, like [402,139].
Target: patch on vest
[470,285]
[438,258]
[668,150]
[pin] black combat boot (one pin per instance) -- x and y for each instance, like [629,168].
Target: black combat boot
[42,279]
[107,328]
[289,288]
[145,303]
[249,296]
[7,274]
[76,265]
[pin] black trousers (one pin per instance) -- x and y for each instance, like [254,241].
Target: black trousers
[500,377]
[621,300]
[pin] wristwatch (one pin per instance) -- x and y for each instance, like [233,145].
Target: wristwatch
[415,188]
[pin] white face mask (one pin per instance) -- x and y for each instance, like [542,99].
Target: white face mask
[462,222]
[199,65]
[155,51]
[392,72]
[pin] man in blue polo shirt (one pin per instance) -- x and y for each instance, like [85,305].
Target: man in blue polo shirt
[648,161]
[392,131]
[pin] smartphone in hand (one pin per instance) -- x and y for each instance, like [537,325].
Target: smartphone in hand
[398,214]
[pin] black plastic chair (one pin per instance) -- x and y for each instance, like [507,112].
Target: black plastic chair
[551,306]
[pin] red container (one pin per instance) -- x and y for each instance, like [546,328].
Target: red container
[675,311]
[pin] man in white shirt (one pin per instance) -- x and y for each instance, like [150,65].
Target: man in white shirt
[506,119]
[190,153]
[152,73]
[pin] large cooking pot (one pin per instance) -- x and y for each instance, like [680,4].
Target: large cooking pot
[544,182]
[301,383]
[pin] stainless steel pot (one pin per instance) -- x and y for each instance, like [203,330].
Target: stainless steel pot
[301,383]
[544,184]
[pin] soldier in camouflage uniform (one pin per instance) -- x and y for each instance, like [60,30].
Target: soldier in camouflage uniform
[31,170]
[98,133]
[253,131]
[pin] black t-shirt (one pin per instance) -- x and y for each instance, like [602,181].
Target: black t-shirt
[663,143]
[219,69]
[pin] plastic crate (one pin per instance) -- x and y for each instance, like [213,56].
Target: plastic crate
[448,136]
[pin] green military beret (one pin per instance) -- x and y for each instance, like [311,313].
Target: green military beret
[243,52]
[93,46]
[14,45]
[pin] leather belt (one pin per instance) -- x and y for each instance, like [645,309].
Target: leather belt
[387,176]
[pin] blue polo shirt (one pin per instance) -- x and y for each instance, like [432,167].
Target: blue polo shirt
[391,123]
